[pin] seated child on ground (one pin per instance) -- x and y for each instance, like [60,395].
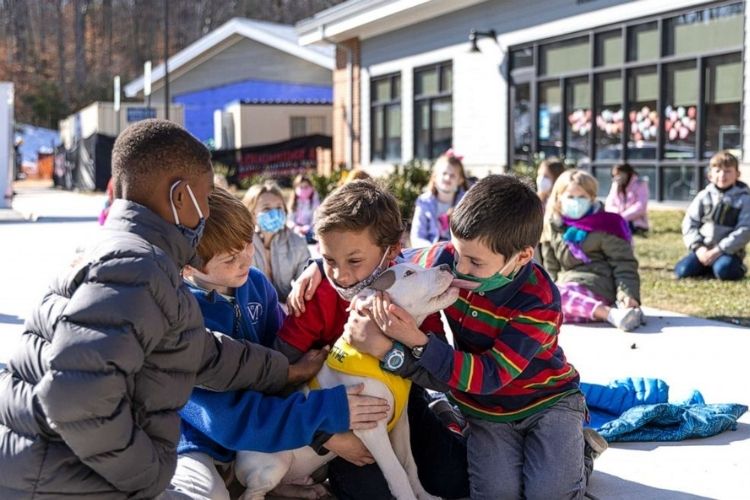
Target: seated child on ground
[302,207]
[589,253]
[716,227]
[359,228]
[280,254]
[90,399]
[239,301]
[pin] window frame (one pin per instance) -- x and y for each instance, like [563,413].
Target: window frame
[430,99]
[531,75]
[395,100]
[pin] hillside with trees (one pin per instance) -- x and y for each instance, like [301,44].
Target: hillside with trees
[62,54]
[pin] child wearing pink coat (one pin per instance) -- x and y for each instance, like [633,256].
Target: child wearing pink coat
[629,198]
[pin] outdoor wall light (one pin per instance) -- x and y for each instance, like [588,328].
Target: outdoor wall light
[474,35]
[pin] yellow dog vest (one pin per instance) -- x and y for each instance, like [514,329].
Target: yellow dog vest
[346,359]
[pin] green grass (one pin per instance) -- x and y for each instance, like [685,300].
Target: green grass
[706,298]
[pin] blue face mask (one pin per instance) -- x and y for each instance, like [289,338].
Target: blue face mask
[195,234]
[272,221]
[575,208]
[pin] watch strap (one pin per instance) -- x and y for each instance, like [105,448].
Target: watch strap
[319,440]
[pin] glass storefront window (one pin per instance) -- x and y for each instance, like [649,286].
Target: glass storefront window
[722,104]
[521,58]
[433,110]
[521,96]
[664,93]
[603,175]
[442,126]
[704,30]
[680,183]
[549,120]
[393,133]
[643,116]
[609,48]
[643,42]
[385,121]
[609,116]
[376,136]
[578,131]
[565,57]
[426,82]
[680,110]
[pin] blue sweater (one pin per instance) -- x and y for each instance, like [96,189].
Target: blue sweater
[221,423]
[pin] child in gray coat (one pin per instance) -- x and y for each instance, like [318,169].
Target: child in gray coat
[716,227]
[89,401]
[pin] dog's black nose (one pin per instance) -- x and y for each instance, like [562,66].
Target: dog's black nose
[444,267]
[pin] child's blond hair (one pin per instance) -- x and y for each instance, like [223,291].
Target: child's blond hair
[230,227]
[581,178]
[256,190]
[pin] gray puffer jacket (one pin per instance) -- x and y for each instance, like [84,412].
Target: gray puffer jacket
[721,218]
[89,401]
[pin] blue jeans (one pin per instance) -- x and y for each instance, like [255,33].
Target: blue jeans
[538,457]
[726,267]
[440,456]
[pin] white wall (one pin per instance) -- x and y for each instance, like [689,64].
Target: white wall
[256,124]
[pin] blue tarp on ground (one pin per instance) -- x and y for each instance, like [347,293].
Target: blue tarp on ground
[200,105]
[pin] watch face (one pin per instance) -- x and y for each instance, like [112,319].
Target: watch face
[394,360]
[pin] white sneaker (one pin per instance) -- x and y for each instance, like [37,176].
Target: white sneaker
[626,319]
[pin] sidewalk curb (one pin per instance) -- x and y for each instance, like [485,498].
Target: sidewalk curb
[12,215]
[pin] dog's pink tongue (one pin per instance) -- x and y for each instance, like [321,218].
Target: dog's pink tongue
[465,284]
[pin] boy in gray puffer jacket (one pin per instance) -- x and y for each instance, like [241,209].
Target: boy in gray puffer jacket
[89,401]
[716,227]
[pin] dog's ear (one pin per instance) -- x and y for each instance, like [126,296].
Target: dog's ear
[384,281]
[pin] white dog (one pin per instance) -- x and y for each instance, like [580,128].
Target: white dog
[419,291]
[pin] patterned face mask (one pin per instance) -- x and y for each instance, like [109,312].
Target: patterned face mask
[348,293]
[272,221]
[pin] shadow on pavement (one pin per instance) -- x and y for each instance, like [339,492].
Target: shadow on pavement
[615,487]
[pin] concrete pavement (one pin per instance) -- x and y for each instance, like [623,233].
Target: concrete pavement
[688,353]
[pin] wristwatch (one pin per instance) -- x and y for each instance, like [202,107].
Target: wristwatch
[418,350]
[319,440]
[394,359]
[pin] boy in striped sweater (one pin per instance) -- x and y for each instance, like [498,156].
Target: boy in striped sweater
[507,373]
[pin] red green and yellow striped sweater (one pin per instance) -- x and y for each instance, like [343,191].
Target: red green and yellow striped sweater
[507,363]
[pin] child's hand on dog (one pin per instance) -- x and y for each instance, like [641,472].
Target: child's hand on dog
[307,366]
[364,335]
[350,448]
[395,322]
[364,411]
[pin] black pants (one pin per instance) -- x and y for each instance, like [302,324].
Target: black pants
[440,456]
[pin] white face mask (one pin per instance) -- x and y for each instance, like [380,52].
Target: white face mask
[543,184]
